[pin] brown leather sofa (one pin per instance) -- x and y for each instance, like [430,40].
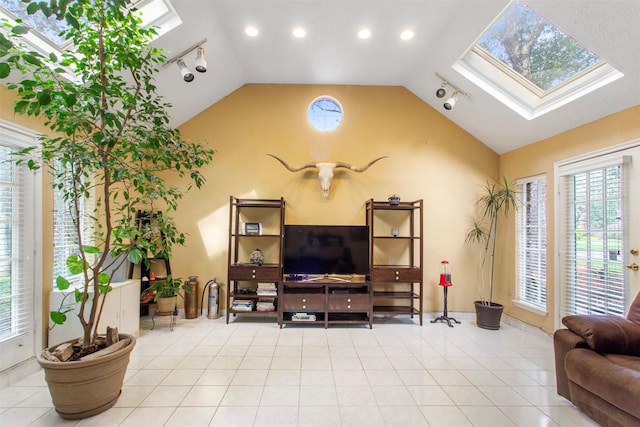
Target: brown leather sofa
[598,365]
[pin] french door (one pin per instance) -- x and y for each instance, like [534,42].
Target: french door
[598,232]
[20,219]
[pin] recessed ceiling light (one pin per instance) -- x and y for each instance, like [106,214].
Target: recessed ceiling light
[251,31]
[406,35]
[364,33]
[299,32]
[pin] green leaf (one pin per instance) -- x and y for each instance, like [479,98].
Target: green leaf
[53,57]
[103,278]
[75,264]
[104,289]
[33,8]
[32,59]
[58,317]
[71,20]
[20,29]
[4,70]
[20,107]
[44,97]
[62,283]
[77,293]
[135,256]
[90,249]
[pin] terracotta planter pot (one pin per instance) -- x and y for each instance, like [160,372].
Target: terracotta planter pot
[488,315]
[82,388]
[166,305]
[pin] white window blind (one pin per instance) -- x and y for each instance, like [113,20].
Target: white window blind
[592,278]
[531,242]
[65,240]
[16,237]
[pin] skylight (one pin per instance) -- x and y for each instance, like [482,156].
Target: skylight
[532,66]
[44,34]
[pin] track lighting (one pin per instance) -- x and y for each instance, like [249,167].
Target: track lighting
[201,63]
[451,101]
[187,75]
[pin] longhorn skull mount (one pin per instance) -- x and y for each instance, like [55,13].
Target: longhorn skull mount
[325,170]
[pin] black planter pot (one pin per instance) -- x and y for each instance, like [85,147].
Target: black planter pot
[488,315]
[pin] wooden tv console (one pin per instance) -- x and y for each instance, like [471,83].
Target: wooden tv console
[326,302]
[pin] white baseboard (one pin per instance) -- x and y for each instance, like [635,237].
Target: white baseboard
[16,373]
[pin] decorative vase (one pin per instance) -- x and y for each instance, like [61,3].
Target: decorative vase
[85,388]
[256,257]
[488,315]
[166,305]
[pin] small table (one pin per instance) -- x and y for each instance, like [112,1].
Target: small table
[172,322]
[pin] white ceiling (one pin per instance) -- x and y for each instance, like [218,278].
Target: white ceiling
[444,29]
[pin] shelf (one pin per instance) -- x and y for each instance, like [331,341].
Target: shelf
[394,309]
[397,237]
[273,313]
[270,213]
[395,295]
[403,206]
[402,275]
[258,203]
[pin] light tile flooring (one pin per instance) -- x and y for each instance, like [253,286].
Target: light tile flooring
[252,373]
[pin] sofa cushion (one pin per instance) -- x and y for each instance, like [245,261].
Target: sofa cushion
[631,362]
[606,334]
[616,384]
[634,310]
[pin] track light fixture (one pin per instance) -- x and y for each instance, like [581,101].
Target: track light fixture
[200,64]
[187,75]
[451,101]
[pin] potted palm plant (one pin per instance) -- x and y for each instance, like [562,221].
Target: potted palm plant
[108,141]
[496,201]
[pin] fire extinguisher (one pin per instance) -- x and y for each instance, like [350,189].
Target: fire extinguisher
[190,299]
[213,307]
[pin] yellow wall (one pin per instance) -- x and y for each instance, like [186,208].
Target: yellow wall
[430,158]
[538,159]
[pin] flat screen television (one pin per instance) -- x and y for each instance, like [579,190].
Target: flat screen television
[326,249]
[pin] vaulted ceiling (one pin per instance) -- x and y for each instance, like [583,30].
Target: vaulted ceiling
[331,53]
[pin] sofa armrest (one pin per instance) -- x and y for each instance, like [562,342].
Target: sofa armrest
[606,334]
[565,340]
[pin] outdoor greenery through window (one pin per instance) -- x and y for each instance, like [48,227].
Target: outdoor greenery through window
[531,241]
[535,48]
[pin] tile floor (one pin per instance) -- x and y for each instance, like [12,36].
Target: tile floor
[252,373]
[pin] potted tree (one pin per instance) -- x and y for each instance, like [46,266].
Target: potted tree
[110,142]
[496,200]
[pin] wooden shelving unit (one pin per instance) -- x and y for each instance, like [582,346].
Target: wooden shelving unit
[396,257]
[243,276]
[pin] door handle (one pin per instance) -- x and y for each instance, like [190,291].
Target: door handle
[633,266]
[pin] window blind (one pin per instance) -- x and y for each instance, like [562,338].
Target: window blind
[531,242]
[16,234]
[592,276]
